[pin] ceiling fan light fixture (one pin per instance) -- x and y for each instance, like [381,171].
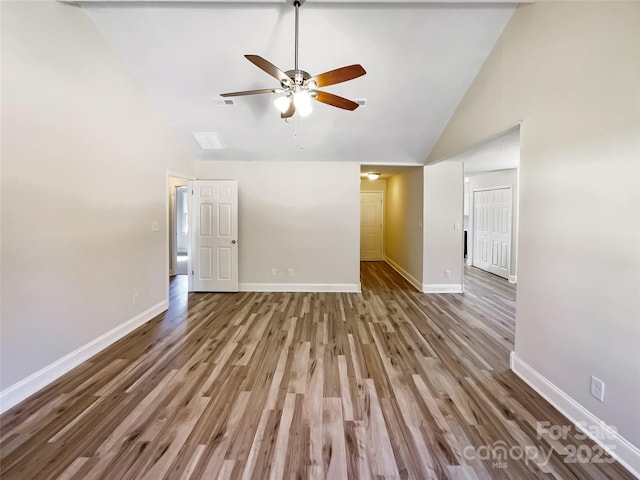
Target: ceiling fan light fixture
[282,103]
[373,175]
[302,101]
[299,86]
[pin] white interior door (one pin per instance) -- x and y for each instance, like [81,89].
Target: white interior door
[370,225]
[492,230]
[213,260]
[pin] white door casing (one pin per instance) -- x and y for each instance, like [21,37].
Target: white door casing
[492,230]
[371,226]
[213,259]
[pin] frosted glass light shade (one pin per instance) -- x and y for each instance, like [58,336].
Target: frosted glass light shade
[282,103]
[302,101]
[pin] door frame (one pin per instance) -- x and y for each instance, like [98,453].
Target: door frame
[471,243]
[168,247]
[382,227]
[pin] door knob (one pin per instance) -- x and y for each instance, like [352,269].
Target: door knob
[233,242]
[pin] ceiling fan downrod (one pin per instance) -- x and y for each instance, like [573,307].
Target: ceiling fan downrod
[296,4]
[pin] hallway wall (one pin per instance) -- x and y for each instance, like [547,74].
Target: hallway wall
[404,220]
[575,89]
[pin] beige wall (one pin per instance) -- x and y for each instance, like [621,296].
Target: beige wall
[84,161]
[500,178]
[403,232]
[571,72]
[379,185]
[443,248]
[299,215]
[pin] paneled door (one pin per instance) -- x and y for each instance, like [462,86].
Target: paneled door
[481,235]
[492,230]
[213,260]
[370,225]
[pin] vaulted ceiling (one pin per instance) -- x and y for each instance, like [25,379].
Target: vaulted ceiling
[420,58]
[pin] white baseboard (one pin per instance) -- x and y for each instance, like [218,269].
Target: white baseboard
[616,445]
[442,288]
[469,261]
[300,287]
[26,387]
[407,276]
[513,279]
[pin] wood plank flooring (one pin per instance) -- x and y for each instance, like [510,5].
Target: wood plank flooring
[389,383]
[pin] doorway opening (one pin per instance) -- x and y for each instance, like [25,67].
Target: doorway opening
[399,192]
[178,208]
[491,177]
[182,230]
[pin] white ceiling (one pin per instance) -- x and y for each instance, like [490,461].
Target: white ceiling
[420,59]
[385,171]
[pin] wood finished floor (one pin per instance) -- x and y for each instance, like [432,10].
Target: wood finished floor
[390,383]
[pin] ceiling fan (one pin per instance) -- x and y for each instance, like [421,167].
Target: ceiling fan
[299,87]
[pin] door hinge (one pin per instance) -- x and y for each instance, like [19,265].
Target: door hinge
[192,272]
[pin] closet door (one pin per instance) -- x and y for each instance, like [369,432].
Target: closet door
[492,230]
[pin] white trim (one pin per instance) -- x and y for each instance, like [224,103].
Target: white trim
[513,279]
[168,254]
[497,187]
[26,387]
[300,287]
[392,164]
[442,288]
[407,276]
[616,445]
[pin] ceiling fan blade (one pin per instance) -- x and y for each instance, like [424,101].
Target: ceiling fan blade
[334,100]
[289,113]
[338,75]
[269,67]
[249,92]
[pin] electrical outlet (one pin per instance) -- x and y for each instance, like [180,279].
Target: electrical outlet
[134,300]
[447,274]
[290,272]
[274,272]
[597,388]
[155,226]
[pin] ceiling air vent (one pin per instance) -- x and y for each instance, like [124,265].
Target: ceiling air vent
[208,140]
[361,101]
[224,102]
